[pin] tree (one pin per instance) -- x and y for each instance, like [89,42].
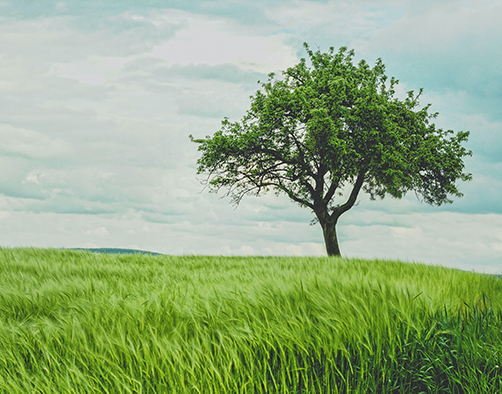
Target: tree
[331,128]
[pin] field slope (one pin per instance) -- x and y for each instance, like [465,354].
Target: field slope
[80,322]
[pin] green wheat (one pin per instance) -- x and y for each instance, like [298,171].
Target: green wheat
[78,322]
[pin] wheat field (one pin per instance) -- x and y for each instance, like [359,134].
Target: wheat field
[81,322]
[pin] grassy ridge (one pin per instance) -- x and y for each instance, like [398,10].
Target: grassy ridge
[80,322]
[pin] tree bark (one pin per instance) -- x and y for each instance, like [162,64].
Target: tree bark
[330,238]
[327,221]
[328,225]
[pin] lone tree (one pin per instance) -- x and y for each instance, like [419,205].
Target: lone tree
[330,127]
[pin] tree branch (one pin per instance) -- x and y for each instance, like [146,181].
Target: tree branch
[331,191]
[291,194]
[299,146]
[353,196]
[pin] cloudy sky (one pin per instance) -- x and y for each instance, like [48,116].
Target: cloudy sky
[97,99]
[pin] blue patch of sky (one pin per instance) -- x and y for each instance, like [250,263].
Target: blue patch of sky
[26,9]
[445,73]
[245,11]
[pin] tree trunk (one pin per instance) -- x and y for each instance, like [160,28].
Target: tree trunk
[330,238]
[328,221]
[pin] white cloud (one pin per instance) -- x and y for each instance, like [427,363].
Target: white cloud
[99,232]
[31,143]
[334,23]
[465,241]
[32,177]
[246,250]
[210,40]
[340,15]
[77,72]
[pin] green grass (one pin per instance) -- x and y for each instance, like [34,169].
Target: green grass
[79,322]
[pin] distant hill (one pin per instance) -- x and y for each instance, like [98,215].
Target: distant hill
[116,251]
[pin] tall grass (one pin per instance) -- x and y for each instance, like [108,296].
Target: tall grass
[80,322]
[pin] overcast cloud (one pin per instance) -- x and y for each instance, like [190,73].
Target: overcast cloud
[97,100]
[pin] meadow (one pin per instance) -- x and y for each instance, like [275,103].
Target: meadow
[81,322]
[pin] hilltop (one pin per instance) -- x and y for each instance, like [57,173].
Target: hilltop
[116,251]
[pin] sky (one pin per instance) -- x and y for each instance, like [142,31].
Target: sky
[98,98]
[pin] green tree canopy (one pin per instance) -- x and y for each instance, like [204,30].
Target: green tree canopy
[328,126]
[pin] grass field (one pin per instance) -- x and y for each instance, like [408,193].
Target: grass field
[80,322]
